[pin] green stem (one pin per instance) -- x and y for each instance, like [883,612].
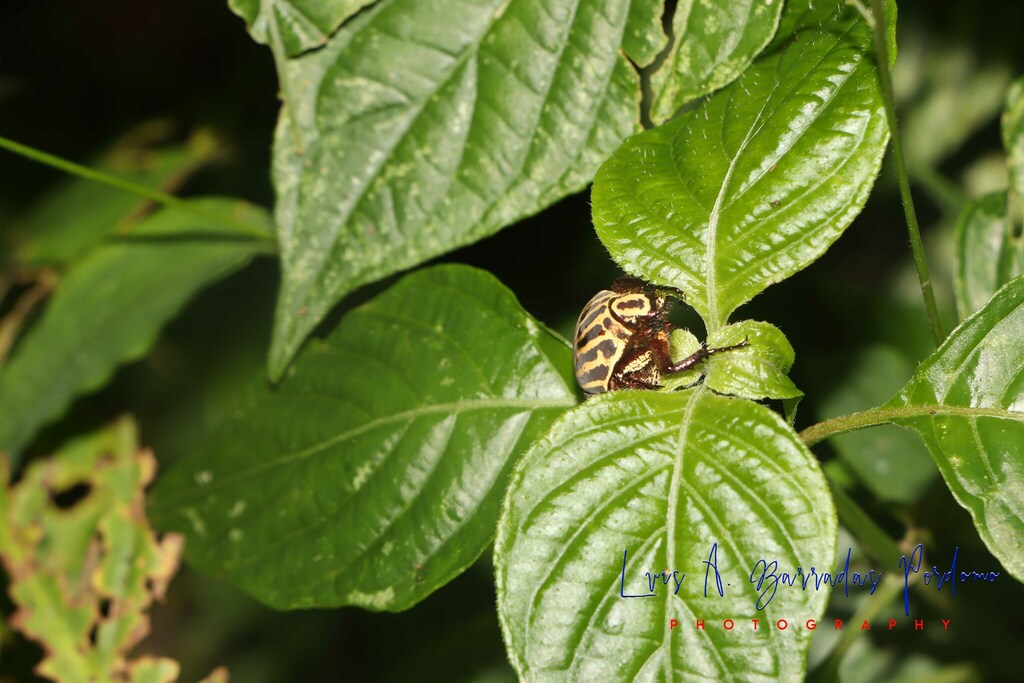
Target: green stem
[847,423]
[163,198]
[888,591]
[883,415]
[872,539]
[880,28]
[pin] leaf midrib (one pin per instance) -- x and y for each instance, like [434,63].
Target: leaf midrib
[454,408]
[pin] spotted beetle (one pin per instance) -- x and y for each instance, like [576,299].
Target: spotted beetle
[622,339]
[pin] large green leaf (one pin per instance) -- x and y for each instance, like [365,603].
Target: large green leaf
[295,25]
[374,473]
[967,402]
[1013,136]
[662,477]
[759,180]
[988,253]
[424,126]
[110,307]
[712,44]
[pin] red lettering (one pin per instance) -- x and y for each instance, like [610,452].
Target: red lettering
[728,624]
[782,624]
[755,623]
[700,624]
[672,623]
[945,624]
[865,626]
[892,624]
[811,624]
[839,624]
[918,624]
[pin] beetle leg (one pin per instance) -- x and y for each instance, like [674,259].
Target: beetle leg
[701,354]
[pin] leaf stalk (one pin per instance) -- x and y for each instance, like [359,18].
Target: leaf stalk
[168,200]
[880,29]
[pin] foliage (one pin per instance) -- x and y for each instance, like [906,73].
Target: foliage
[84,572]
[338,431]
[967,402]
[321,493]
[417,130]
[756,183]
[665,476]
[110,306]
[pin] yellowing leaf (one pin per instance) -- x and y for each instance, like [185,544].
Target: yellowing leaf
[83,563]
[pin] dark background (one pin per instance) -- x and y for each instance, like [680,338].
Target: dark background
[76,75]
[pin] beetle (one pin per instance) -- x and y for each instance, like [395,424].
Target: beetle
[621,339]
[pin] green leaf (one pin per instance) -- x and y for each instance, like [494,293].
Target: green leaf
[295,25]
[967,402]
[661,476]
[373,474]
[988,253]
[110,307]
[758,181]
[65,563]
[1013,136]
[713,43]
[891,462]
[76,215]
[757,371]
[425,126]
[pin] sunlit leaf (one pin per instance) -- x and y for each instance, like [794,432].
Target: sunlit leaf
[652,480]
[74,541]
[713,42]
[373,474]
[110,307]
[758,181]
[424,126]
[759,370]
[296,25]
[988,253]
[967,402]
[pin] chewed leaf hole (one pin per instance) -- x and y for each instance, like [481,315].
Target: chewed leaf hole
[71,496]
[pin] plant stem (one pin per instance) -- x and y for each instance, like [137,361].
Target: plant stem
[840,425]
[887,592]
[236,226]
[872,539]
[882,415]
[880,27]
